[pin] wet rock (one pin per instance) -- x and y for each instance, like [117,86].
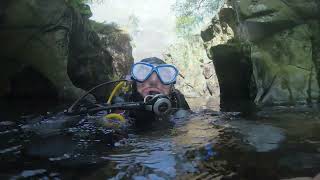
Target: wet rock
[300,161]
[263,138]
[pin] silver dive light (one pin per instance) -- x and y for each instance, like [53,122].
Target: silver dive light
[159,104]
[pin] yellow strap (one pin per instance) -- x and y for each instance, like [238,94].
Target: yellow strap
[114,91]
[115,116]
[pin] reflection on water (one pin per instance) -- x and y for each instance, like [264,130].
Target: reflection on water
[155,154]
[275,143]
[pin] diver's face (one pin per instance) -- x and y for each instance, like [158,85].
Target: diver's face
[152,86]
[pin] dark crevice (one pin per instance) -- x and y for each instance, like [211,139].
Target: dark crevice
[309,98]
[31,84]
[268,88]
[315,46]
[261,30]
[261,13]
[234,71]
[299,67]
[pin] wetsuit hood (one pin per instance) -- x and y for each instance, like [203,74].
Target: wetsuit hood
[153,60]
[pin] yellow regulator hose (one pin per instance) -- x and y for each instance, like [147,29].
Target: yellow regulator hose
[116,116]
[113,120]
[114,91]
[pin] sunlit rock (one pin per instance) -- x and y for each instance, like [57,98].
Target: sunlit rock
[195,69]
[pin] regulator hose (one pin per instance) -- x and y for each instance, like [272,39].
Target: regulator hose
[70,109]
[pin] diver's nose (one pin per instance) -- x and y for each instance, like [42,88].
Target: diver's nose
[154,78]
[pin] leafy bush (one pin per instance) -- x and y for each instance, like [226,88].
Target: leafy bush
[192,13]
[82,6]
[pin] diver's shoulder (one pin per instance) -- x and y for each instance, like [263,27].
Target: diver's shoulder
[181,101]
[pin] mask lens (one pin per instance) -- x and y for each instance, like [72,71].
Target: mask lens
[141,71]
[167,74]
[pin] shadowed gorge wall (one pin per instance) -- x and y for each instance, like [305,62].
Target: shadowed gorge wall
[57,40]
[28,82]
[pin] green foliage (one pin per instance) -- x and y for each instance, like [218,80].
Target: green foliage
[184,24]
[76,3]
[82,4]
[192,13]
[133,24]
[105,28]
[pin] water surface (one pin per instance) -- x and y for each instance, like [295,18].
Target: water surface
[274,143]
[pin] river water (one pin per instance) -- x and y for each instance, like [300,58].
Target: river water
[272,143]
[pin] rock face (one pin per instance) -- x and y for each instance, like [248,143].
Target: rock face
[200,80]
[54,41]
[117,42]
[267,51]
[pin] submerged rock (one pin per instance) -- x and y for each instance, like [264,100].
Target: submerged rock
[262,137]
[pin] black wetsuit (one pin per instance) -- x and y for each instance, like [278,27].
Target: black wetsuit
[145,119]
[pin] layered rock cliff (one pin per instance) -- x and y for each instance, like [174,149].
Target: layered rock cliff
[267,51]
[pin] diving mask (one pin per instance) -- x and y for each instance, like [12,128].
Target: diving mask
[167,73]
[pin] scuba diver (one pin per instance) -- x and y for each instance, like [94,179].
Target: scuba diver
[153,96]
[152,76]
